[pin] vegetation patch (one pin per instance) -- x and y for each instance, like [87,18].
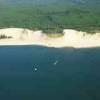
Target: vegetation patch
[5,37]
[51,19]
[54,35]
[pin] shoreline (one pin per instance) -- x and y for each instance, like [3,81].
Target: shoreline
[71,38]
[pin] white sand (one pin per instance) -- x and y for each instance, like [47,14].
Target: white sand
[71,38]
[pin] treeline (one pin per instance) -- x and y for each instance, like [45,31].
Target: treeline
[51,20]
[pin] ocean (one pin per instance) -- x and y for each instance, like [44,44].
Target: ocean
[42,73]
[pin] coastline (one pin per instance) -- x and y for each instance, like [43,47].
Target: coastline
[71,38]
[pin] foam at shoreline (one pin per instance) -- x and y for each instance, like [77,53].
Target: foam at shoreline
[71,38]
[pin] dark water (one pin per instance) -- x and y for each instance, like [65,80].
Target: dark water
[75,76]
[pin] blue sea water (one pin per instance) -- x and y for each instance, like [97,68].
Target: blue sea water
[41,73]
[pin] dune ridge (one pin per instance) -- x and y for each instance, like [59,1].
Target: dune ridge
[71,38]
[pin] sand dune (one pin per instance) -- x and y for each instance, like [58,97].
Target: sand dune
[71,38]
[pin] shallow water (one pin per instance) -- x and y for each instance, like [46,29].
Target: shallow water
[40,73]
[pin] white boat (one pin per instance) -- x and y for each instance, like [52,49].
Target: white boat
[55,63]
[35,69]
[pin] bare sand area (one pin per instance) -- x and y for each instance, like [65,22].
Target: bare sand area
[71,38]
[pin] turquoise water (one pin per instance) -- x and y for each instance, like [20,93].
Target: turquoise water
[40,73]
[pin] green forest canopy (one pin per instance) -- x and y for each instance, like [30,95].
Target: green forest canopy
[50,17]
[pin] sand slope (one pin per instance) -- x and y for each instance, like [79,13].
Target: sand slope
[71,38]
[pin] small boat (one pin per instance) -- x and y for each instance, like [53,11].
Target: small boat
[35,69]
[55,63]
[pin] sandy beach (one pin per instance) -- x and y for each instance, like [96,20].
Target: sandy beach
[71,38]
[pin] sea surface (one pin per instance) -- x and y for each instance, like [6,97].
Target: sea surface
[41,73]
